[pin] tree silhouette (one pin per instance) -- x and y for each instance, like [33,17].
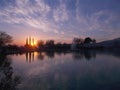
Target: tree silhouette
[78,40]
[8,79]
[50,42]
[4,38]
[87,40]
[94,41]
[40,43]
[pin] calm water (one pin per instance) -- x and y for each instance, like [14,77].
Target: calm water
[85,70]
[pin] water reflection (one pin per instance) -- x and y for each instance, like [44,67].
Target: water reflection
[60,73]
[40,56]
[68,70]
[76,55]
[8,80]
[29,56]
[50,54]
[87,54]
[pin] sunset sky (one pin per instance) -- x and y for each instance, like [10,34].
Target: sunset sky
[61,20]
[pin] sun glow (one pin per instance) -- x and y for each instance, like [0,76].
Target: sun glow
[31,42]
[35,43]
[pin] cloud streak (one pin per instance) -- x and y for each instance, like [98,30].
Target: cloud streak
[24,13]
[60,14]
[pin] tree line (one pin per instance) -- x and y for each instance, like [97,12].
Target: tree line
[87,40]
[6,39]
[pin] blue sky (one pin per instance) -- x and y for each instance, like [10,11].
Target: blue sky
[61,20]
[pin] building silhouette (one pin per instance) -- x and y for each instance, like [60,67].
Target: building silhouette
[30,41]
[30,44]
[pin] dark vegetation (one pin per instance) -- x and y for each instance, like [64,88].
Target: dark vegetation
[50,45]
[8,80]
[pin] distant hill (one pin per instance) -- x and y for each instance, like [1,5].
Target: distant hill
[115,43]
[110,43]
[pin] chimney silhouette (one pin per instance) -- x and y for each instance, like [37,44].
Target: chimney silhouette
[33,41]
[26,41]
[29,40]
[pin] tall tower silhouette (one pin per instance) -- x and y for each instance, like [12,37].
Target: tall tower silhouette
[33,41]
[29,40]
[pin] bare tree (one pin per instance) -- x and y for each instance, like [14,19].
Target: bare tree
[4,38]
[77,40]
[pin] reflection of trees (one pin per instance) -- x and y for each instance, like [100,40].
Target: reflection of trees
[8,81]
[59,53]
[40,56]
[50,54]
[87,54]
[77,55]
